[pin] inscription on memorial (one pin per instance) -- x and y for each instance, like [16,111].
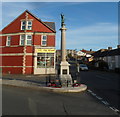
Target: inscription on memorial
[64,71]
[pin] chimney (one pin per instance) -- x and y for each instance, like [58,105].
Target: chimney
[109,48]
[102,50]
[118,46]
[90,49]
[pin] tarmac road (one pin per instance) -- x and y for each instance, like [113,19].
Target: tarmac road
[103,84]
[22,101]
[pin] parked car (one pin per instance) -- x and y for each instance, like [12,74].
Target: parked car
[83,67]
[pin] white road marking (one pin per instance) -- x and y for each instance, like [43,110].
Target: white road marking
[98,97]
[89,91]
[93,94]
[111,108]
[114,109]
[104,102]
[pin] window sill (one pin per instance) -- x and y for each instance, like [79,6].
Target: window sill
[44,45]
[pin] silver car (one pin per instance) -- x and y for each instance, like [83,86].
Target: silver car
[83,67]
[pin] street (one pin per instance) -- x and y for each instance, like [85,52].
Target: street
[21,101]
[103,84]
[101,98]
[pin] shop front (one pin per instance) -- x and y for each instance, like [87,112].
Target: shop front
[44,61]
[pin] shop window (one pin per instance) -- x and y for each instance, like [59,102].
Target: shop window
[8,41]
[44,40]
[45,60]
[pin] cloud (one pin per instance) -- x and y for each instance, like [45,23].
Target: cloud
[14,9]
[99,28]
[100,35]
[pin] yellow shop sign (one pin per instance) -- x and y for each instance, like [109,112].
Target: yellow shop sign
[45,50]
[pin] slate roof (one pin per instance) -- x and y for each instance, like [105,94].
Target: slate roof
[107,53]
[50,24]
[114,52]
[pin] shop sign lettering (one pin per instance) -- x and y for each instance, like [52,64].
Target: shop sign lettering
[45,50]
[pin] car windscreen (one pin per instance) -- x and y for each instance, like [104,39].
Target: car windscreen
[82,65]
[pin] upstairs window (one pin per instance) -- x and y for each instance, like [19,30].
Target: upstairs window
[26,25]
[23,24]
[8,41]
[25,39]
[29,39]
[22,39]
[29,25]
[44,40]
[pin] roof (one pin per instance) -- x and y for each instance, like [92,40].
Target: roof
[107,53]
[87,51]
[80,53]
[50,24]
[114,52]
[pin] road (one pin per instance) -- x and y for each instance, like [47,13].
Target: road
[101,98]
[103,84]
[23,101]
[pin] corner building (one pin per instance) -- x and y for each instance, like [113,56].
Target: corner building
[27,46]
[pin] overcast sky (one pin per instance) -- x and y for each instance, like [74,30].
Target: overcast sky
[90,25]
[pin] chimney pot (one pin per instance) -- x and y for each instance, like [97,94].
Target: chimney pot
[109,48]
[118,46]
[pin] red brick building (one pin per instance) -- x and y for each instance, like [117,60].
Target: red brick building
[27,46]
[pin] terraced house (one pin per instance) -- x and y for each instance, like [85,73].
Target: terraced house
[28,46]
[111,56]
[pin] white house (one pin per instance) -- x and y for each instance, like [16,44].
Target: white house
[111,56]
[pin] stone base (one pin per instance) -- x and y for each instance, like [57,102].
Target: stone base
[66,80]
[64,68]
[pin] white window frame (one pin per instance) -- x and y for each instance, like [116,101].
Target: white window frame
[8,41]
[21,39]
[25,40]
[23,25]
[44,40]
[26,25]
[28,39]
[29,25]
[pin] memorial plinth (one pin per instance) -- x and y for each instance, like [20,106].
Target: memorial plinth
[64,76]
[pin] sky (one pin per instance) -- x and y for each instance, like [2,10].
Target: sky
[90,25]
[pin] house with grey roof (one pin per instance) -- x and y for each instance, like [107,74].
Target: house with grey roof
[111,56]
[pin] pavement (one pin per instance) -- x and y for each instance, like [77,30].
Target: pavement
[37,82]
